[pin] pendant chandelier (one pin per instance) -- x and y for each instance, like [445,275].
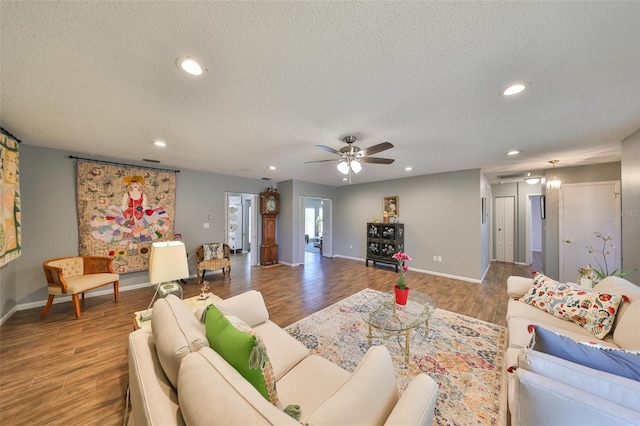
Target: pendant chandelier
[554,182]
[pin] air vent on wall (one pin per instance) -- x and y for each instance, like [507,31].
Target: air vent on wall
[518,176]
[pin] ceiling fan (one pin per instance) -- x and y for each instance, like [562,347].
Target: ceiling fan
[352,157]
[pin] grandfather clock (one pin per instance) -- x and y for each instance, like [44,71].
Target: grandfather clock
[269,208]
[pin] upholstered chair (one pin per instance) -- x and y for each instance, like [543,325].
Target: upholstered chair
[213,256]
[76,274]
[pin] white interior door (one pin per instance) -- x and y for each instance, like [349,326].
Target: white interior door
[327,227]
[587,208]
[504,235]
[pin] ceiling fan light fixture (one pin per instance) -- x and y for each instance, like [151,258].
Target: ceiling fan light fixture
[356,166]
[343,167]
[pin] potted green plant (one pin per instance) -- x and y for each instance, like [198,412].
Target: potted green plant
[607,245]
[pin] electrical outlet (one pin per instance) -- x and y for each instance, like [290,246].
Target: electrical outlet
[439,258]
[206,225]
[350,247]
[435,258]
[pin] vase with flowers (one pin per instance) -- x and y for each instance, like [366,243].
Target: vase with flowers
[401,289]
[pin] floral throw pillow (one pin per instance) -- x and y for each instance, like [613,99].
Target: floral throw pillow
[213,251]
[596,312]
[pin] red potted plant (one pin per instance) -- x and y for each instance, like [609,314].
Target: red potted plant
[401,289]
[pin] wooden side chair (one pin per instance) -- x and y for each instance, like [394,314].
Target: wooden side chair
[213,256]
[76,274]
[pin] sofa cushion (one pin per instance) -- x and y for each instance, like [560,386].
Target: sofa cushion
[243,349]
[625,331]
[520,337]
[611,360]
[367,398]
[176,332]
[310,382]
[594,311]
[284,350]
[213,392]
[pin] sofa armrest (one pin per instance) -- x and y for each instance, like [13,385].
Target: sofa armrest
[417,403]
[367,397]
[153,400]
[248,306]
[518,286]
[542,400]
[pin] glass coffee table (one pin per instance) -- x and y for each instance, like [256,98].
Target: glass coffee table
[383,315]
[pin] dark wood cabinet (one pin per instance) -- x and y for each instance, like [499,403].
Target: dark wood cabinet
[383,241]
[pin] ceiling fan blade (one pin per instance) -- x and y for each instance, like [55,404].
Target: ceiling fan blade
[376,148]
[377,160]
[320,161]
[328,149]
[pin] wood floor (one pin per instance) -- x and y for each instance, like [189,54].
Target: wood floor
[67,371]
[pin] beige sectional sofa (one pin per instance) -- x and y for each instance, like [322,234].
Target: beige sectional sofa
[176,378]
[548,390]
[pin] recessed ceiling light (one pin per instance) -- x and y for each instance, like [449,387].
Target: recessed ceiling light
[160,143]
[272,167]
[408,169]
[189,66]
[514,89]
[514,152]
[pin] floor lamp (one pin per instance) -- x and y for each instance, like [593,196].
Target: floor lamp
[167,263]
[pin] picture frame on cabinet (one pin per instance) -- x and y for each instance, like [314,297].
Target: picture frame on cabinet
[391,206]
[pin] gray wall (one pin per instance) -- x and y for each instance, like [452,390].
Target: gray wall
[441,214]
[49,220]
[631,205]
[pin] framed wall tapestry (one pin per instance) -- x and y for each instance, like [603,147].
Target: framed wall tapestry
[10,215]
[122,210]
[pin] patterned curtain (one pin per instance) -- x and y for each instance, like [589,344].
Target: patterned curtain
[10,216]
[122,210]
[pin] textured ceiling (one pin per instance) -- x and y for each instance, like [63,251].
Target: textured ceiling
[100,77]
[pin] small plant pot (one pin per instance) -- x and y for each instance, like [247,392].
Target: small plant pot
[586,283]
[401,295]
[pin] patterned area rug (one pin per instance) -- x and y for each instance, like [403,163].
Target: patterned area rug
[462,354]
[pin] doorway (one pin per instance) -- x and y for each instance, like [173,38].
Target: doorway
[315,228]
[504,235]
[533,237]
[242,224]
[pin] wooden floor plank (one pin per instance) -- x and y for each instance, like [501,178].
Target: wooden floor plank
[68,371]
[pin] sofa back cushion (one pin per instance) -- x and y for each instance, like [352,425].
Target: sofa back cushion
[177,332]
[212,392]
[71,266]
[625,331]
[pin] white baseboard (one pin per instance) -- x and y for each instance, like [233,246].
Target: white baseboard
[424,271]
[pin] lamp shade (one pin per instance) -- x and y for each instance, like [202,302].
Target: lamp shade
[356,166]
[343,167]
[168,262]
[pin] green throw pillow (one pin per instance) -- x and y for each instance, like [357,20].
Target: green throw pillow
[243,350]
